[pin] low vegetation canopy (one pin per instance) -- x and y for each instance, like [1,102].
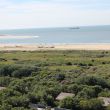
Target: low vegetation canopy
[39,77]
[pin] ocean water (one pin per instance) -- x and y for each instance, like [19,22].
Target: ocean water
[87,34]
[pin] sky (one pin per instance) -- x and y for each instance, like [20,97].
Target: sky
[53,13]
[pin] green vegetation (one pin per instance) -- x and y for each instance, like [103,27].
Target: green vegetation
[38,77]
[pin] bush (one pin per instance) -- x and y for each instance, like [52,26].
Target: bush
[69,63]
[92,104]
[70,103]
[60,77]
[15,71]
[67,103]
[105,94]
[49,100]
[21,86]
[21,101]
[53,91]
[82,64]
[5,107]
[108,108]
[75,88]
[19,108]
[5,81]
[92,81]
[87,92]
[7,70]
[33,97]
[22,72]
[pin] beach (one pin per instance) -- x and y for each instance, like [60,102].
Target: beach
[37,47]
[26,46]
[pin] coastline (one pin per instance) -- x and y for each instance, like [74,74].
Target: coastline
[16,37]
[37,47]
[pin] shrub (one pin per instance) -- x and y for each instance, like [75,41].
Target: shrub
[7,70]
[69,63]
[105,94]
[60,77]
[92,104]
[5,81]
[70,103]
[21,101]
[67,103]
[75,88]
[92,81]
[22,72]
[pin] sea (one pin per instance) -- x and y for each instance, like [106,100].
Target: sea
[60,35]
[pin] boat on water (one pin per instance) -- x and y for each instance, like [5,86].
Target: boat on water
[74,28]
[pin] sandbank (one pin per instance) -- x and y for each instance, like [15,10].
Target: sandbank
[16,37]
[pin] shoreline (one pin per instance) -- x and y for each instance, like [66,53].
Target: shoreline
[37,47]
[16,37]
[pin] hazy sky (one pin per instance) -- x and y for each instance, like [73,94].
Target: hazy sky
[53,13]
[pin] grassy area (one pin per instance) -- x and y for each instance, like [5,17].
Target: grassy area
[39,76]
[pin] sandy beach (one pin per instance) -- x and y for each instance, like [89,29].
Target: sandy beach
[35,47]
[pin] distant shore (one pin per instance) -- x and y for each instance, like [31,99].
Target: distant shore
[35,47]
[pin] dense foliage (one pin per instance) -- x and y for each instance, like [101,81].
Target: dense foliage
[38,77]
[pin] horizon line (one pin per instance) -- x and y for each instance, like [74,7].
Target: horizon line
[55,27]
